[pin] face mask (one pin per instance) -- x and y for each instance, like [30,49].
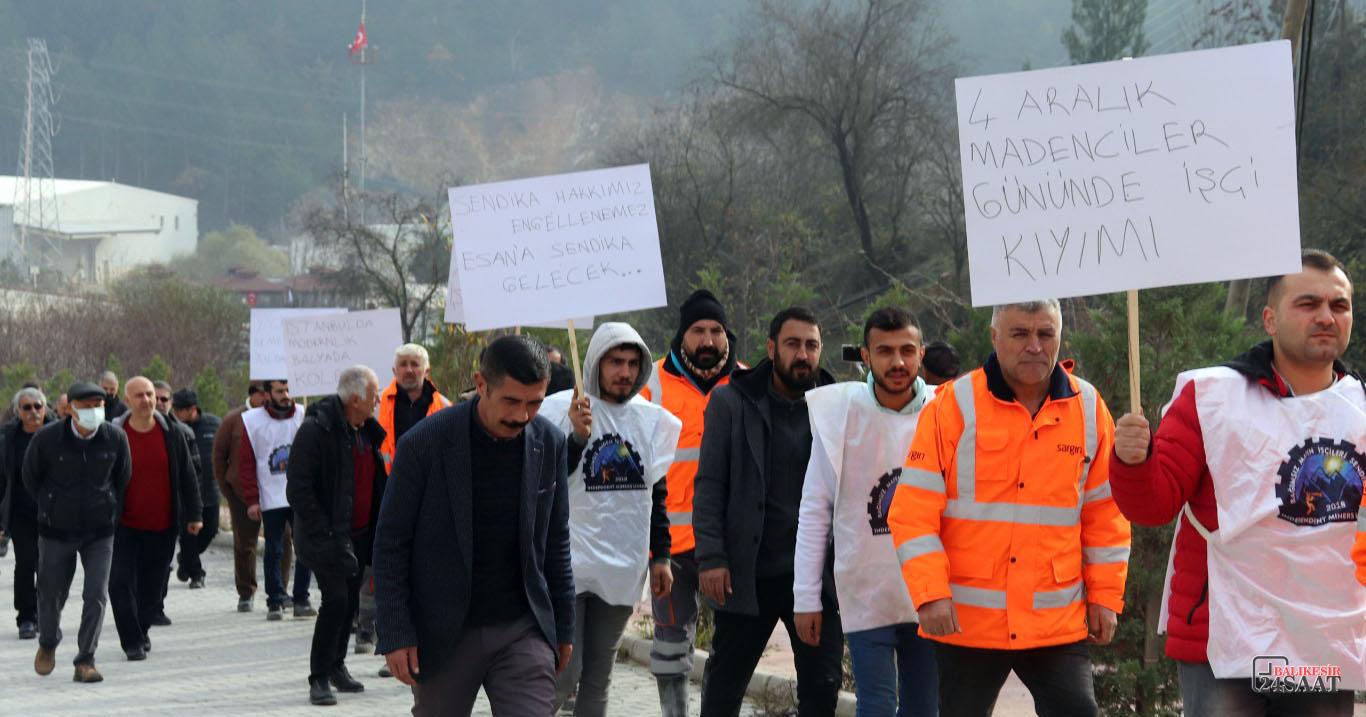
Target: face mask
[90,418]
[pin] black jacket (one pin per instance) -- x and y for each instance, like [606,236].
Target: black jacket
[186,507]
[77,484]
[320,486]
[9,479]
[424,543]
[205,429]
[732,484]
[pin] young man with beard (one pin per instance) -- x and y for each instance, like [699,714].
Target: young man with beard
[473,588]
[682,382]
[861,432]
[749,491]
[162,496]
[1260,461]
[18,510]
[266,441]
[620,447]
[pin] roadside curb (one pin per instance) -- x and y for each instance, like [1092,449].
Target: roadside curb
[637,649]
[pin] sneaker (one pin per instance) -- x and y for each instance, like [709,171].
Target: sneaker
[160,620]
[303,609]
[288,602]
[27,630]
[45,660]
[196,583]
[87,673]
[365,642]
[245,604]
[275,613]
[319,693]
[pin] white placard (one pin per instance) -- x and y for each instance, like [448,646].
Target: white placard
[1157,171]
[540,250]
[268,340]
[455,310]
[319,348]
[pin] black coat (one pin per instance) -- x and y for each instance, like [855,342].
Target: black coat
[320,480]
[185,504]
[205,429]
[77,484]
[732,485]
[424,542]
[11,480]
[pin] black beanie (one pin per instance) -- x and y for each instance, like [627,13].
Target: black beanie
[698,306]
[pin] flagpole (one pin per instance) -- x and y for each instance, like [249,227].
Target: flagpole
[364,51]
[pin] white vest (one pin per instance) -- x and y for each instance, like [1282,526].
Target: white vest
[1287,480]
[629,450]
[865,445]
[270,441]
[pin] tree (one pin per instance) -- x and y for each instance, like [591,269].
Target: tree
[236,246]
[866,77]
[1106,30]
[157,370]
[401,260]
[209,389]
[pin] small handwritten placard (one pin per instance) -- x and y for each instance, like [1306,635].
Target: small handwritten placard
[319,348]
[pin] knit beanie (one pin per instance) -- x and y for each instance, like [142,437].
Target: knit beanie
[697,307]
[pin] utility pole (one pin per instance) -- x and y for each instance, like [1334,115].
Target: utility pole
[35,194]
[364,60]
[1292,28]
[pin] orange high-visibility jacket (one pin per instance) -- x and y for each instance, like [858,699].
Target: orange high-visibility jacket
[679,396]
[1011,515]
[386,417]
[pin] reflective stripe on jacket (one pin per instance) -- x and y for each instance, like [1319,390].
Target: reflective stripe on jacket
[680,397]
[386,418]
[1011,515]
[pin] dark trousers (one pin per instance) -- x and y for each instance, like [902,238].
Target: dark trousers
[738,643]
[245,532]
[1058,677]
[340,603]
[136,579]
[275,522]
[511,661]
[23,534]
[193,546]
[1204,695]
[56,570]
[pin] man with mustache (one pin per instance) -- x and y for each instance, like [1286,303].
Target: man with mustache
[473,585]
[862,431]
[1260,461]
[1013,551]
[699,360]
[749,491]
[620,447]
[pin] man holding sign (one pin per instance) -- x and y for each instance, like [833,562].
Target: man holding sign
[1014,552]
[1262,458]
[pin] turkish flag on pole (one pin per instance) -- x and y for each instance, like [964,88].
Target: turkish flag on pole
[359,43]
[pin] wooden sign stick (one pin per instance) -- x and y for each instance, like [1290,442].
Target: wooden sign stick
[574,352]
[1135,400]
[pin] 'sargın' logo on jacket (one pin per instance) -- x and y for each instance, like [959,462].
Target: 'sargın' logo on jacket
[612,463]
[1320,482]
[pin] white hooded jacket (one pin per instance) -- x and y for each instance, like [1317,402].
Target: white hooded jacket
[610,488]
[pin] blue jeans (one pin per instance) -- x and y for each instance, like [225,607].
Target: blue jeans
[894,662]
[275,521]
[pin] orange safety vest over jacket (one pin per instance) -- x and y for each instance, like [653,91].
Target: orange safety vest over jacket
[677,394]
[386,417]
[1010,515]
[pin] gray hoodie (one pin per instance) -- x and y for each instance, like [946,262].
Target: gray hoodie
[608,336]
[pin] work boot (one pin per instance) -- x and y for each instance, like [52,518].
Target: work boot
[319,693]
[341,679]
[86,672]
[45,660]
[673,695]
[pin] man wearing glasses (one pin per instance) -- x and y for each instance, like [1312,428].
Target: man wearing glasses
[18,512]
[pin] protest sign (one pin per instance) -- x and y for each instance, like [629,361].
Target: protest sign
[1157,171]
[455,310]
[319,348]
[268,340]
[545,249]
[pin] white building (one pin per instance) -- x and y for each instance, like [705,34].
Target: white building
[102,228]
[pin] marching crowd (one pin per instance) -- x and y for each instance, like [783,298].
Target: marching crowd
[949,528]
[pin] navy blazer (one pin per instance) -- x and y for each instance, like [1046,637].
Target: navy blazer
[424,543]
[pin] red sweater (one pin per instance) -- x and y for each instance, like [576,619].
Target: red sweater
[147,502]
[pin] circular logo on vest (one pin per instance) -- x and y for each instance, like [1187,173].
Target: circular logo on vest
[278,460]
[612,463]
[1320,482]
[880,501]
